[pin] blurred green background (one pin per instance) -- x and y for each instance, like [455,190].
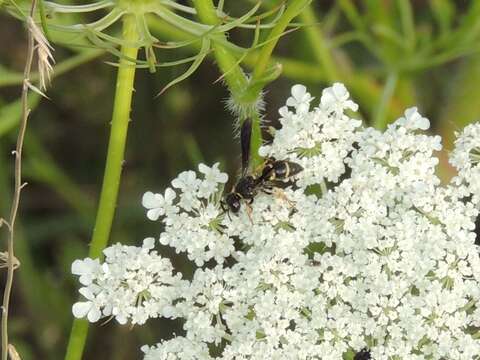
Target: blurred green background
[390,54]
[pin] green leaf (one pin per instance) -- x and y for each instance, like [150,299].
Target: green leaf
[43,19]
[235,66]
[235,23]
[196,63]
[112,17]
[65,8]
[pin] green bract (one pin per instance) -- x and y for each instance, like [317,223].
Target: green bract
[103,34]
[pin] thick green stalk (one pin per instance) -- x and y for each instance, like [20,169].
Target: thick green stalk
[113,170]
[261,68]
[235,78]
[227,62]
[246,97]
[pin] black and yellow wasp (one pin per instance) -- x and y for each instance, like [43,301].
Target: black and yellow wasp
[274,173]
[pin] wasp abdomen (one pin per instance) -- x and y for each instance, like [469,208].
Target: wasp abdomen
[279,170]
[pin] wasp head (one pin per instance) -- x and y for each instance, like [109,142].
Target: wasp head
[233,202]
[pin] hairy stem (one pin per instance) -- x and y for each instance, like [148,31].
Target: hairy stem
[227,62]
[294,8]
[243,96]
[17,188]
[113,169]
[235,78]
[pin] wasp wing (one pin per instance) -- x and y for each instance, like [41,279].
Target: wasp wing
[245,137]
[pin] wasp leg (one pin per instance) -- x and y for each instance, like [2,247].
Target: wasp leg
[224,206]
[280,194]
[249,210]
[225,210]
[268,191]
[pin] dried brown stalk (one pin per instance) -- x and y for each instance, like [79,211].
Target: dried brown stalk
[35,43]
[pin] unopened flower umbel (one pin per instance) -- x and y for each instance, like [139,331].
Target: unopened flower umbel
[368,253]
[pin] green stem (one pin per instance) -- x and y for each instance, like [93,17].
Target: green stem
[244,97]
[318,44]
[408,24]
[380,119]
[255,142]
[292,68]
[365,90]
[260,69]
[227,62]
[293,9]
[113,169]
[235,78]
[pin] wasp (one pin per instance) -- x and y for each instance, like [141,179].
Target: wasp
[275,171]
[363,354]
[273,174]
[245,188]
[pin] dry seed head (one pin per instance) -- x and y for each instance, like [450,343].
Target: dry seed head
[13,353]
[44,53]
[4,260]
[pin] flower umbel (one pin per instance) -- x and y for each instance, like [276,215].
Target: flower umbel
[382,262]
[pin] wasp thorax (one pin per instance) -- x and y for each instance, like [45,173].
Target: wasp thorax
[246,187]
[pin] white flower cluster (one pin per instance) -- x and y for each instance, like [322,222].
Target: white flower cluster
[320,139]
[382,262]
[466,159]
[191,223]
[132,284]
